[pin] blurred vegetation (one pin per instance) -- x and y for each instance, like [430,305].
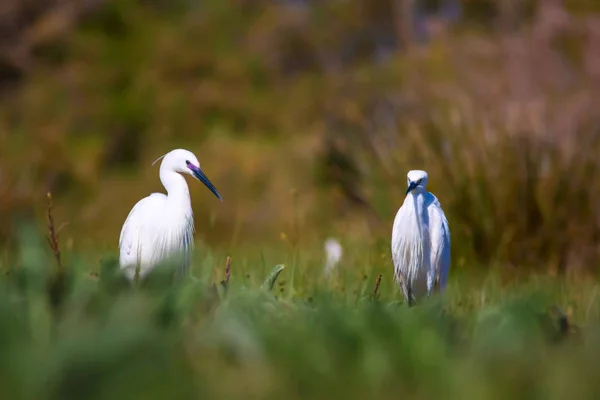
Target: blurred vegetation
[295,336]
[307,116]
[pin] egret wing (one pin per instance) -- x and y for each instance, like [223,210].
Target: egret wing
[132,233]
[398,254]
[440,242]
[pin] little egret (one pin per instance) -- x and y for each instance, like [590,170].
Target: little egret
[160,226]
[420,241]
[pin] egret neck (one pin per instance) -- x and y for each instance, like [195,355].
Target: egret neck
[415,201]
[178,192]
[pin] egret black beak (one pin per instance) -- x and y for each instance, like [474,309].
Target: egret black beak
[198,174]
[411,186]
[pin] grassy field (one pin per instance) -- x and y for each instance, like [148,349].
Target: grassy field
[80,330]
[307,133]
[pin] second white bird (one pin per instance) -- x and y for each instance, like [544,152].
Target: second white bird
[420,241]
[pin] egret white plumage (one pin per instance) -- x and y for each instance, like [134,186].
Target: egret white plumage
[333,252]
[162,226]
[420,241]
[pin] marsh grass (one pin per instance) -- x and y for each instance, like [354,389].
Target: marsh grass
[505,124]
[484,338]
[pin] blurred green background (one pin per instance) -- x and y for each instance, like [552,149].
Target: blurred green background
[306,115]
[312,111]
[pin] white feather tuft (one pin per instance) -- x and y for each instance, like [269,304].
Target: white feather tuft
[155,161]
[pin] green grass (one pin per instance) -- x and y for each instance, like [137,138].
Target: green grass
[517,180]
[97,337]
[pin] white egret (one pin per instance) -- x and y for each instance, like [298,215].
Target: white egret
[420,241]
[161,226]
[333,251]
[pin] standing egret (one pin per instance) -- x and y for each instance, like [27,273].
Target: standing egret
[420,241]
[160,226]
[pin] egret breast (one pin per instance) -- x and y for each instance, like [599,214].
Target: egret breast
[411,245]
[171,237]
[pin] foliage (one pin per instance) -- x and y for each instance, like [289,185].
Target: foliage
[307,116]
[312,338]
[276,98]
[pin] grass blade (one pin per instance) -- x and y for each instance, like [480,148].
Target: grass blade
[272,277]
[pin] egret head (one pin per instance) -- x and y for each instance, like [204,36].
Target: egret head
[416,181]
[185,162]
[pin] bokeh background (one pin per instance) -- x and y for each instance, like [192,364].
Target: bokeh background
[307,115]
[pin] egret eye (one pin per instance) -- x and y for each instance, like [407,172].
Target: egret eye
[187,162]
